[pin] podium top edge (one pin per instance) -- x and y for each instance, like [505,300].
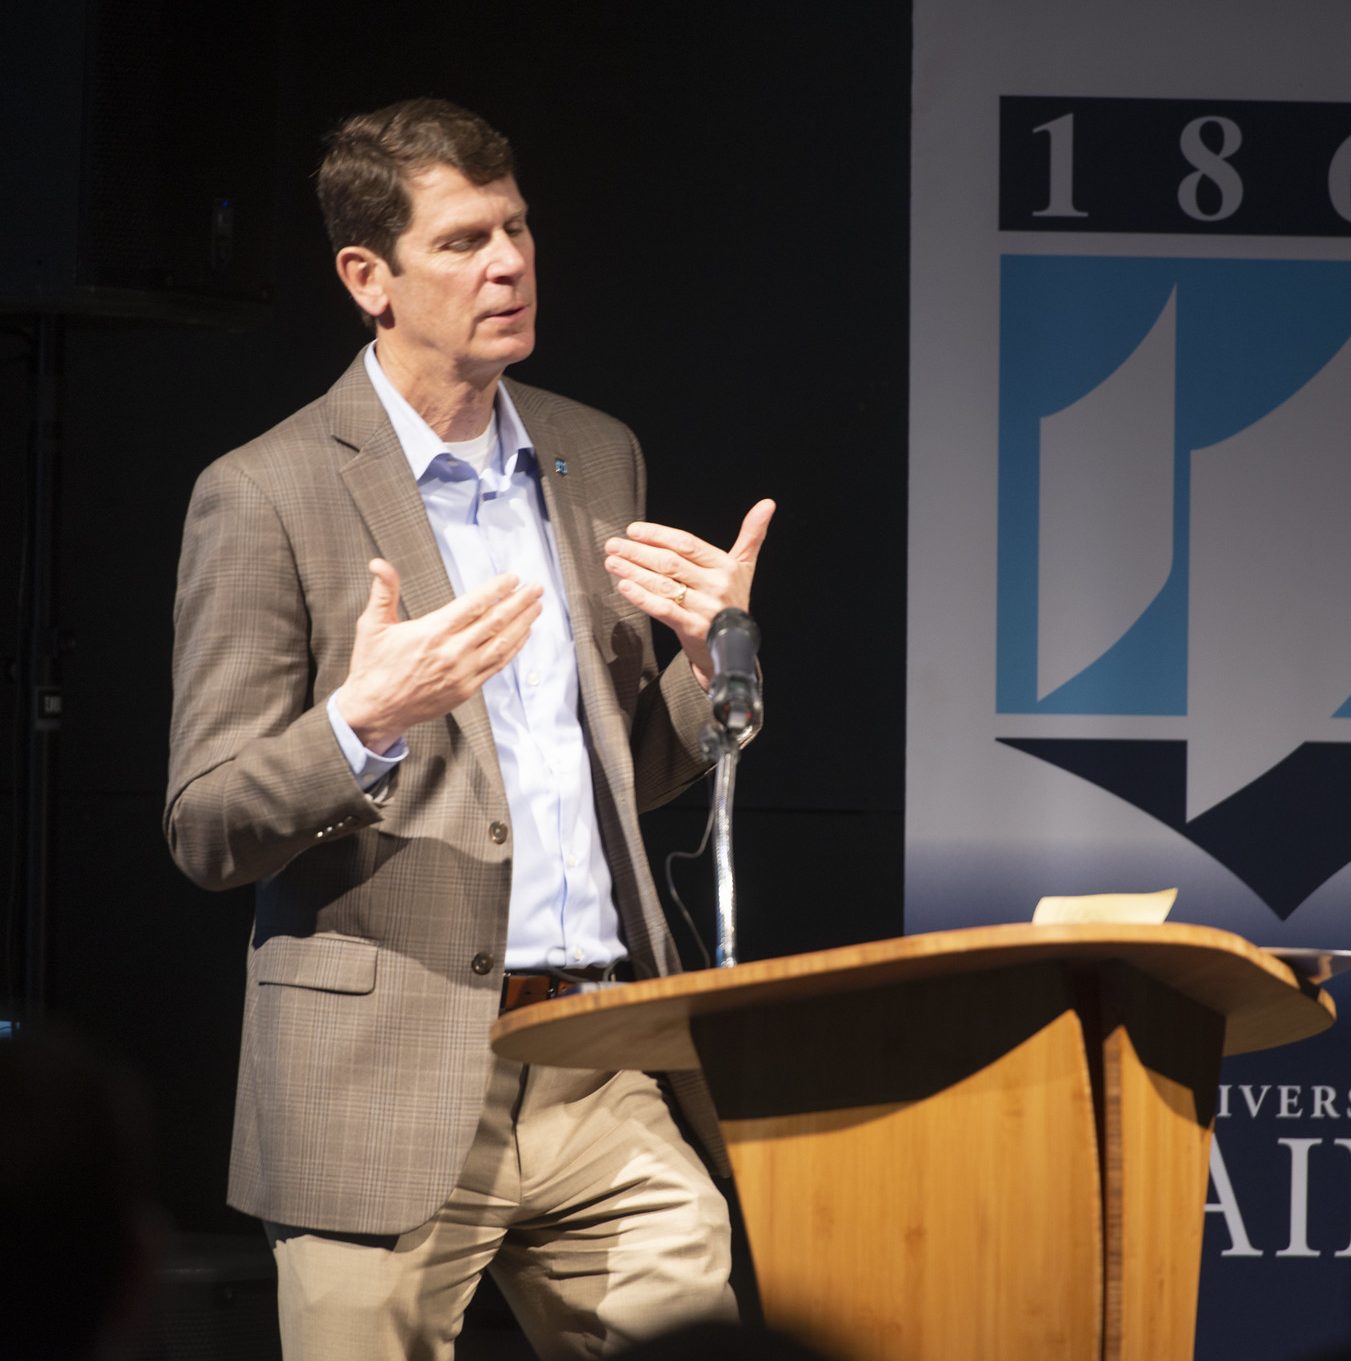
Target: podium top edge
[1265,1002]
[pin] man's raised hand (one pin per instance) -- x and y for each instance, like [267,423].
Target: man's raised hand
[683,581]
[406,671]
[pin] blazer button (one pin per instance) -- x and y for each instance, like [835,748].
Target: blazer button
[497,832]
[482,962]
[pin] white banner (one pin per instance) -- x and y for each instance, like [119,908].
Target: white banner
[1129,465]
[1130,512]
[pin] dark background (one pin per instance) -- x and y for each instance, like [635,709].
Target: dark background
[719,196]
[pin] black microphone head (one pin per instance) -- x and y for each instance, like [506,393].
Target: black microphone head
[735,635]
[733,641]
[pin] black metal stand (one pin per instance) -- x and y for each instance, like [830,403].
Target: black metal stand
[719,743]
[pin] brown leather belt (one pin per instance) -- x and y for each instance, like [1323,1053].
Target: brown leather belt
[523,989]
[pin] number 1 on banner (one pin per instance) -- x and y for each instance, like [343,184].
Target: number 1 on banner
[1060,132]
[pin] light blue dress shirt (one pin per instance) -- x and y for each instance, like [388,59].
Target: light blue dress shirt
[562,906]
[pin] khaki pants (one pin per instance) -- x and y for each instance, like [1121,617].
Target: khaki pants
[597,1219]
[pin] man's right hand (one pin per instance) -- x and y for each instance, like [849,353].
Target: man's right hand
[406,671]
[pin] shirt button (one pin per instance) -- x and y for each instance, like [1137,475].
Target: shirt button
[577,952]
[532,678]
[482,962]
[571,862]
[497,832]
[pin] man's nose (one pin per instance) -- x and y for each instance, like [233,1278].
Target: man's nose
[508,260]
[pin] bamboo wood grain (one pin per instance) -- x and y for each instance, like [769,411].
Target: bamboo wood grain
[956,1220]
[1160,1060]
[963,1145]
[646,1024]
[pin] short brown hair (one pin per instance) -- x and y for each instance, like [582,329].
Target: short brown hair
[363,181]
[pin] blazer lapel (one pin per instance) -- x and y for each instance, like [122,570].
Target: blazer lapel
[565,502]
[607,726]
[386,497]
[565,499]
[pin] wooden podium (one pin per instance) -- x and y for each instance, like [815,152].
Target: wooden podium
[978,1145]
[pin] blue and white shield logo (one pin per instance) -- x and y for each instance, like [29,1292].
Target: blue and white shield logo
[1175,545]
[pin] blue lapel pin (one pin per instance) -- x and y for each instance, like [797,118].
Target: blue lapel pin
[561,467]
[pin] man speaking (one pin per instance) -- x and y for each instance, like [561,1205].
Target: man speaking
[415,703]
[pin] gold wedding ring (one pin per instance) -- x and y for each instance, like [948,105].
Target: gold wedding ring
[679,596]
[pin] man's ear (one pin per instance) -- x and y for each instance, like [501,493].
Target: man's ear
[364,275]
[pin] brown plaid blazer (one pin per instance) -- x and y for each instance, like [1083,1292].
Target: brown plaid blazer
[365,1050]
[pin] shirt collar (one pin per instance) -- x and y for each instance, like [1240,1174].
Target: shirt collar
[421,444]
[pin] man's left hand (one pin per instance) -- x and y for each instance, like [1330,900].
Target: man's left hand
[684,582]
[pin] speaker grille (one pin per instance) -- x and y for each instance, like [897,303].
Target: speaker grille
[177,184]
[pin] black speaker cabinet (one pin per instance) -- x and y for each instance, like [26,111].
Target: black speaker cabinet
[137,159]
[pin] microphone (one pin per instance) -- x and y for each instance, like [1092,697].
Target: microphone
[733,641]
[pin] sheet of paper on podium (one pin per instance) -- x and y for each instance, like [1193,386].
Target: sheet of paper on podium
[1145,909]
